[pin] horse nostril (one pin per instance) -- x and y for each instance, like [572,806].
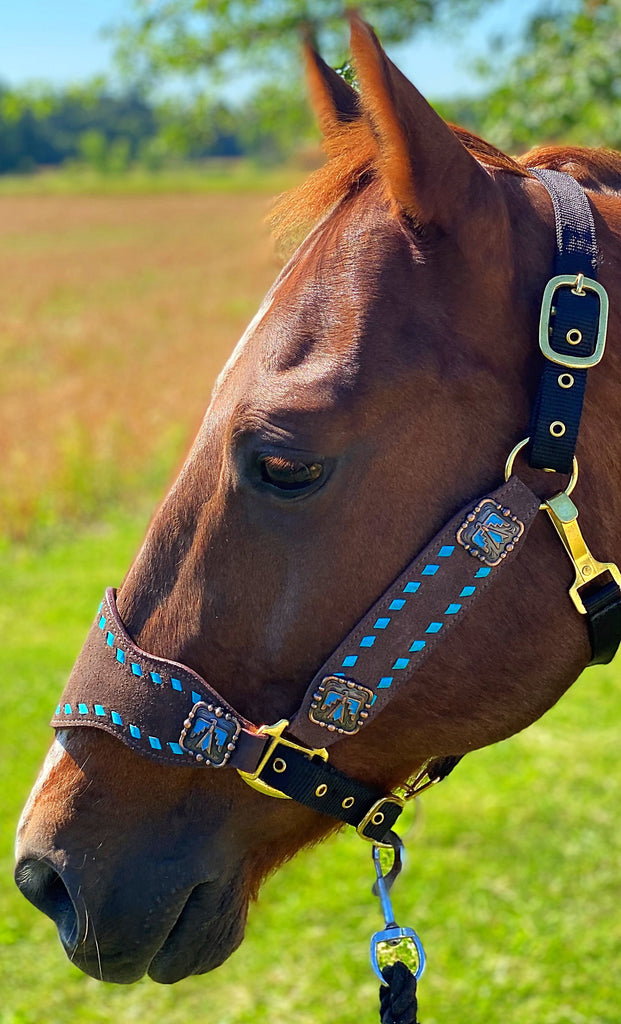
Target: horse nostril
[43,886]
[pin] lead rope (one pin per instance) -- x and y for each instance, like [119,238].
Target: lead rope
[398,1002]
[398,999]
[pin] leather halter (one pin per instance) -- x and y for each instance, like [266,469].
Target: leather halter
[167,712]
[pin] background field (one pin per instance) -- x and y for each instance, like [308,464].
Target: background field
[116,312]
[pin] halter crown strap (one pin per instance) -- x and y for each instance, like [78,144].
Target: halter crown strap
[572,337]
[570,326]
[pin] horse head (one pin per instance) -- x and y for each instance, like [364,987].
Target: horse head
[378,389]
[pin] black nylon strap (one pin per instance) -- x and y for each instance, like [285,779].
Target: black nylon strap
[561,390]
[604,621]
[555,420]
[320,786]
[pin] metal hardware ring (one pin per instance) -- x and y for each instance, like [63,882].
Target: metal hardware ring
[518,448]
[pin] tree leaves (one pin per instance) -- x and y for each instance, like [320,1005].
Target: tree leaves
[216,38]
[565,83]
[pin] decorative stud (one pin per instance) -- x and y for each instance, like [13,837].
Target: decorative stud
[210,734]
[340,705]
[490,532]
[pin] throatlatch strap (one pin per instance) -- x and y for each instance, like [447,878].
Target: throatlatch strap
[572,326]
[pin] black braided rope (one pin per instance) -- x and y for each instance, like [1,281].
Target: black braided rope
[398,1003]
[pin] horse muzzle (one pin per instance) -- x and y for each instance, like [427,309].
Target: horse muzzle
[194,933]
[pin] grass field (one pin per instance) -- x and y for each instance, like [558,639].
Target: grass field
[116,312]
[513,871]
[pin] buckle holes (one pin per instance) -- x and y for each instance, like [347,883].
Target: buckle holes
[574,336]
[377,818]
[566,380]
[279,765]
[321,790]
[557,428]
[348,802]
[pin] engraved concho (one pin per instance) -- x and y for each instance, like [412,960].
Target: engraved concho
[210,734]
[490,532]
[340,705]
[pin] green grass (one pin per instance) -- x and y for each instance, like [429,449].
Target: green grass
[210,176]
[512,878]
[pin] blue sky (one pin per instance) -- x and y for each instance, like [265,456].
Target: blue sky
[59,41]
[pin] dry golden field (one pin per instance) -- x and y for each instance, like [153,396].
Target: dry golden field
[116,313]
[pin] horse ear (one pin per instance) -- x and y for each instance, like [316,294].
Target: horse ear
[334,101]
[430,174]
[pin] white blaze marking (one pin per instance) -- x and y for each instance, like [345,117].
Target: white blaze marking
[53,758]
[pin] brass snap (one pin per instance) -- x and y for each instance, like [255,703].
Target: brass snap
[279,765]
[566,380]
[557,429]
[377,818]
[348,802]
[321,790]
[574,336]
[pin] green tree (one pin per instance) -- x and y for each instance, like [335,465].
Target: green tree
[217,37]
[41,125]
[564,83]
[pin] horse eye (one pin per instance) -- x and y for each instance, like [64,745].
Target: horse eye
[289,474]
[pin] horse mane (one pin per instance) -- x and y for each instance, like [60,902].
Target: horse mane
[352,163]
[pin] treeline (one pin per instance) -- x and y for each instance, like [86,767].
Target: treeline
[110,132]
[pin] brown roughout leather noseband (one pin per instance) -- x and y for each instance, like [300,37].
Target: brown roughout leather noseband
[167,712]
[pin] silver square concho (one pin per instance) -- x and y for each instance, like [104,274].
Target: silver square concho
[210,734]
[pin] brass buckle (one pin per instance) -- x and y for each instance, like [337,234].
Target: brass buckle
[580,286]
[275,731]
[564,515]
[375,816]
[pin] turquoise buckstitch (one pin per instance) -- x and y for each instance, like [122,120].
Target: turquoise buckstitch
[433,627]
[397,604]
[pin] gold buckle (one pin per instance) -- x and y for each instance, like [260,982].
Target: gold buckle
[375,816]
[276,731]
[564,515]
[580,286]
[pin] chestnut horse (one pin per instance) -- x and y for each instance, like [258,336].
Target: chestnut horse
[379,388]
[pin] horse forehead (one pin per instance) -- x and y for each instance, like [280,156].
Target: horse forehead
[318,317]
[306,337]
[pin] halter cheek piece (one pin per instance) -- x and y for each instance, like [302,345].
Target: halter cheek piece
[167,712]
